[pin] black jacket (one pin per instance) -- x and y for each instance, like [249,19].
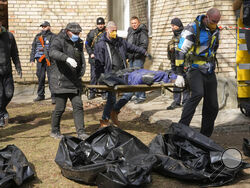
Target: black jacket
[102,55]
[92,38]
[8,51]
[138,37]
[49,35]
[64,78]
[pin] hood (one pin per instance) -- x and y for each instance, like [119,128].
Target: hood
[142,27]
[200,18]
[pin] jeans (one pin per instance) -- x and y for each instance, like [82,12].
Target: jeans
[138,63]
[177,96]
[41,68]
[6,92]
[61,100]
[112,105]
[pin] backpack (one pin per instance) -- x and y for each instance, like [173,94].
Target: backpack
[246,13]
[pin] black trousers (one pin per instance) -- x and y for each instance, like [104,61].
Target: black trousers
[94,74]
[61,100]
[6,92]
[41,69]
[177,96]
[201,86]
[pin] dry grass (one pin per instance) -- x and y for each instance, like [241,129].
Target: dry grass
[29,130]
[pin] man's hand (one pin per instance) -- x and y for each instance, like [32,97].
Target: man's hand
[72,62]
[179,82]
[92,56]
[32,63]
[19,72]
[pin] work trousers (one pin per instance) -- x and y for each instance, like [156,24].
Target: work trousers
[6,92]
[76,101]
[201,86]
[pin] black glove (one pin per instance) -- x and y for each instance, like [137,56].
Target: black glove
[19,72]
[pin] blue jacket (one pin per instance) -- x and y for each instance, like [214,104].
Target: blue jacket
[102,56]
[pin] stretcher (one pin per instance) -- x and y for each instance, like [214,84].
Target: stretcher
[131,88]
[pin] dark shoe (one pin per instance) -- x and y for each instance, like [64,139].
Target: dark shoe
[104,96]
[173,106]
[114,117]
[53,101]
[2,122]
[91,96]
[39,98]
[83,136]
[56,135]
[138,101]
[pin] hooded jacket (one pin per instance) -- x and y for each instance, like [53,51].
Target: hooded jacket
[103,60]
[138,37]
[64,78]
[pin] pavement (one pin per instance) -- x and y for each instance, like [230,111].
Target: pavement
[154,109]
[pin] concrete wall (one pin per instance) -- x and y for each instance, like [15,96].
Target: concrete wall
[25,17]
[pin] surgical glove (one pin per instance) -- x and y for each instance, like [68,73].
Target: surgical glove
[179,82]
[72,62]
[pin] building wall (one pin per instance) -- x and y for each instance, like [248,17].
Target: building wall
[163,11]
[25,17]
[139,8]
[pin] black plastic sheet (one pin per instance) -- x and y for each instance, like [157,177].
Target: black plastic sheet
[246,147]
[186,154]
[110,158]
[14,167]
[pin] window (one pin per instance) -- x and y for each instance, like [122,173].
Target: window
[119,13]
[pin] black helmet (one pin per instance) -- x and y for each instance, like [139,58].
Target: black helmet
[99,21]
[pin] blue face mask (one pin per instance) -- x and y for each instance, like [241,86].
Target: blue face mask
[74,38]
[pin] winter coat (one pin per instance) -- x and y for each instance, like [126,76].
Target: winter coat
[138,37]
[37,50]
[92,38]
[8,51]
[64,78]
[103,60]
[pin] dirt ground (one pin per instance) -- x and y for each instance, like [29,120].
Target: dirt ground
[29,129]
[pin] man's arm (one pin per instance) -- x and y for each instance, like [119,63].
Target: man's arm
[132,48]
[88,43]
[56,50]
[33,50]
[144,40]
[186,42]
[15,54]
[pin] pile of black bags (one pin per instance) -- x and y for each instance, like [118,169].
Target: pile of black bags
[112,157]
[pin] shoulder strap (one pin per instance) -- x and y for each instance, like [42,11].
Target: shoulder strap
[95,38]
[197,37]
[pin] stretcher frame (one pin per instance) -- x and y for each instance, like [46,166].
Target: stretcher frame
[132,88]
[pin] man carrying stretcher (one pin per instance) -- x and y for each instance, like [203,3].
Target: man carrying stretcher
[110,56]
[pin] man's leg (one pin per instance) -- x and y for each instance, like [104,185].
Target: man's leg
[40,73]
[53,100]
[197,92]
[111,99]
[61,100]
[210,105]
[186,96]
[2,123]
[93,80]
[177,99]
[78,115]
[8,84]
[117,107]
